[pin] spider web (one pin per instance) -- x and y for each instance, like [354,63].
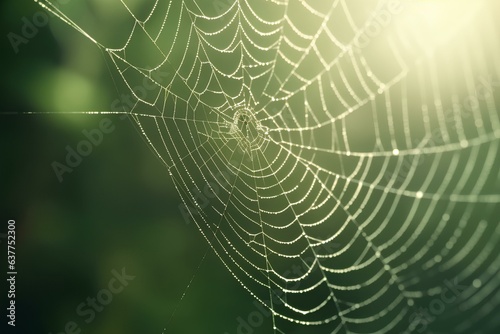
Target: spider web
[344,175]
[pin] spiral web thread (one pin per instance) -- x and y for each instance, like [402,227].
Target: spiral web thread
[343,184]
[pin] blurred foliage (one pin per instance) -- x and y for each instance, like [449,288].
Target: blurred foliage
[118,208]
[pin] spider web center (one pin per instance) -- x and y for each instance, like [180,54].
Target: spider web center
[245,127]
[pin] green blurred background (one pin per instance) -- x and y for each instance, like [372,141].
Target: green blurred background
[118,208]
